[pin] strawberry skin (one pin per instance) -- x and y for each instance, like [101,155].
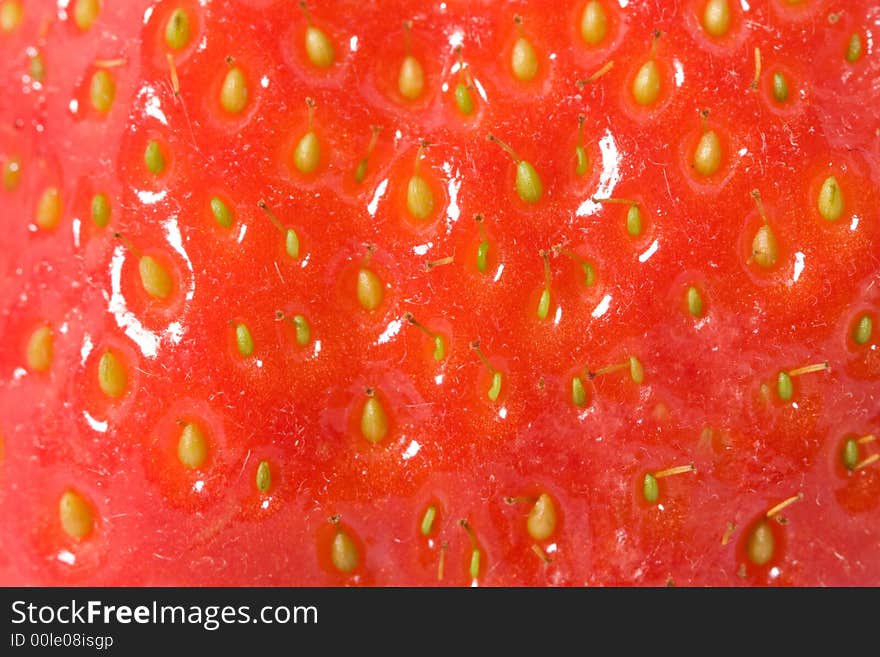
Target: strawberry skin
[261,361]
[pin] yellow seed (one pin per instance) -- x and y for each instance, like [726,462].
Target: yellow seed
[419,198]
[344,552]
[636,370]
[411,80]
[11,15]
[37,68]
[155,278]
[765,250]
[102,91]
[177,30]
[369,289]
[707,157]
[39,350]
[542,518]
[112,377]
[76,515]
[85,12]
[307,155]
[48,213]
[11,173]
[761,544]
[318,47]
[646,85]
[374,422]
[234,93]
[192,446]
[523,60]
[716,17]
[830,199]
[594,23]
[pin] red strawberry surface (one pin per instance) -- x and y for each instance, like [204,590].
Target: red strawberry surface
[677,370]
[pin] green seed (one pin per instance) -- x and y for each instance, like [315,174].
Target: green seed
[578,393]
[854,48]
[523,60]
[634,221]
[495,389]
[374,422]
[37,68]
[222,213]
[830,199]
[636,371]
[264,477]
[428,520]
[761,544]
[369,289]
[463,99]
[291,243]
[862,331]
[716,18]
[319,49]
[112,377]
[583,162]
[780,87]
[482,256]
[411,80]
[344,553]
[177,32]
[650,488]
[419,198]
[589,274]
[11,173]
[544,304]
[156,280]
[85,12]
[100,210]
[850,454]
[707,156]
[475,563]
[646,85]
[594,23]
[303,330]
[154,159]
[243,340]
[234,92]
[439,348]
[102,91]
[307,155]
[361,172]
[192,446]
[694,302]
[528,183]
[784,386]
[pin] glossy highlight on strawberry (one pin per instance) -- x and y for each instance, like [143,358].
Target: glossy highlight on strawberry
[511,293]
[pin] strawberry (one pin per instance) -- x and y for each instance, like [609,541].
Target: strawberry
[389,293]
